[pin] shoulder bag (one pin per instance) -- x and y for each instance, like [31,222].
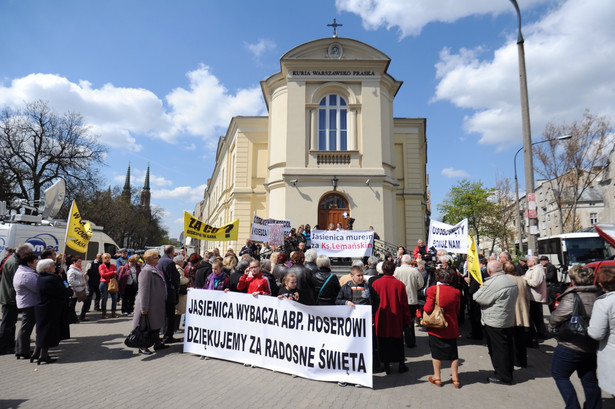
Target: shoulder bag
[141,336]
[576,326]
[436,318]
[113,287]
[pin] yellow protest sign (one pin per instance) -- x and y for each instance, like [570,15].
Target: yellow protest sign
[198,229]
[473,264]
[78,233]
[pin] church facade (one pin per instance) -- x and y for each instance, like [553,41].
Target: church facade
[329,150]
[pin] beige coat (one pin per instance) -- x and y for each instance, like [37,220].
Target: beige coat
[412,279]
[535,278]
[180,308]
[522,307]
[151,297]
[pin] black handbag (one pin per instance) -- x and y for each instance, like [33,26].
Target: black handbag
[141,336]
[576,326]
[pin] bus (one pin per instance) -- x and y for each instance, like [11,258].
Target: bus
[568,249]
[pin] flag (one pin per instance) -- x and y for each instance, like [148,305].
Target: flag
[78,233]
[198,229]
[473,264]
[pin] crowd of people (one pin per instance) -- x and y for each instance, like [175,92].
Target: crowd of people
[506,308]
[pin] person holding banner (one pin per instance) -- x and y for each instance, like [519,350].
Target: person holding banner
[217,280]
[392,316]
[254,281]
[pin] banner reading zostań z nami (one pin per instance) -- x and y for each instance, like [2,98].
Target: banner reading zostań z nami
[198,229]
[343,243]
[78,233]
[453,239]
[327,343]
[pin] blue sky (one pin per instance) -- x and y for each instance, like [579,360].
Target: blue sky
[159,81]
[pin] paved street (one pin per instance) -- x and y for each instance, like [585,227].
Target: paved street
[96,370]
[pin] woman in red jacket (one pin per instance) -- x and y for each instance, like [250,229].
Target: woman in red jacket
[391,317]
[443,341]
[107,272]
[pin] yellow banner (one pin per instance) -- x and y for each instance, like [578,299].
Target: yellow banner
[198,229]
[473,264]
[78,233]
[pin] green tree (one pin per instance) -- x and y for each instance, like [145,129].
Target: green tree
[499,222]
[127,223]
[469,200]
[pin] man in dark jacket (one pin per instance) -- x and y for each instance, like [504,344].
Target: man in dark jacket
[552,279]
[8,298]
[171,276]
[522,266]
[93,285]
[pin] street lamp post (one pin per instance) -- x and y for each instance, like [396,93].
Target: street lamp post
[527,136]
[519,229]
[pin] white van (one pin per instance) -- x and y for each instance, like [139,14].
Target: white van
[43,234]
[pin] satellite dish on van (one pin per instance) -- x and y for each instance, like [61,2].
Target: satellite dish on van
[54,197]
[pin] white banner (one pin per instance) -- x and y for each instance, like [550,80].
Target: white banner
[260,228]
[327,343]
[453,239]
[343,243]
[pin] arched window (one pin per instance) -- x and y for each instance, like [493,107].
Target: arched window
[332,123]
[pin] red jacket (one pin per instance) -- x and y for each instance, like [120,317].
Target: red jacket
[258,283]
[107,273]
[449,301]
[393,313]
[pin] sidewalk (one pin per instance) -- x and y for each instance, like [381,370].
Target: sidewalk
[95,370]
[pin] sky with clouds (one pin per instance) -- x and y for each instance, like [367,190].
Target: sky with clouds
[159,82]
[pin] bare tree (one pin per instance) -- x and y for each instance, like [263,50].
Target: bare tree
[37,146]
[571,167]
[501,215]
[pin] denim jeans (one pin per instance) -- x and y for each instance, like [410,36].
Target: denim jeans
[103,297]
[565,362]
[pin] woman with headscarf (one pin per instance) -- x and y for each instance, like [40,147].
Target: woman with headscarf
[151,299]
[51,311]
[26,296]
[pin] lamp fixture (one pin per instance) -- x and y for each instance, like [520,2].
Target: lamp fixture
[334,182]
[293,182]
[367,182]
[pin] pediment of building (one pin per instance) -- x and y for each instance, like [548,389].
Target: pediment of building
[325,49]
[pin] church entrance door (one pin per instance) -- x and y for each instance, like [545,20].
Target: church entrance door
[331,210]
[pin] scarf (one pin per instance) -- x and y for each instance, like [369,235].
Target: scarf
[216,282]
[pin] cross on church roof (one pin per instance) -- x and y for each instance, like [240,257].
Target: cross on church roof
[335,26]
